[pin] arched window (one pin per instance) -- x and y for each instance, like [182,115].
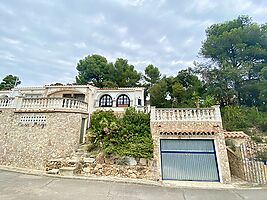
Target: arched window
[105,101]
[123,101]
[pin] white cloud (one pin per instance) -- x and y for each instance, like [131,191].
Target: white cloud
[122,30]
[80,45]
[7,10]
[131,2]
[162,39]
[10,41]
[130,45]
[97,19]
[7,56]
[182,63]
[203,5]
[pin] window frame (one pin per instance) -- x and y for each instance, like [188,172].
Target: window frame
[124,102]
[106,101]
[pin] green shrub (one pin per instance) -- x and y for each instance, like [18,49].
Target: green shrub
[262,155]
[126,136]
[230,143]
[243,118]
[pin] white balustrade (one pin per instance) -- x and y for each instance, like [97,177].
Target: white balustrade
[185,114]
[7,102]
[44,104]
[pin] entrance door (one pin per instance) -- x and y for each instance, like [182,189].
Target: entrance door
[190,160]
[83,129]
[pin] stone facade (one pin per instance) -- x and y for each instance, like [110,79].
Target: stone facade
[192,130]
[28,139]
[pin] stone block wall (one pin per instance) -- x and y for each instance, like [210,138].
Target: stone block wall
[236,164]
[159,128]
[29,144]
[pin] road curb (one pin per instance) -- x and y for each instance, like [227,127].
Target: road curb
[195,185]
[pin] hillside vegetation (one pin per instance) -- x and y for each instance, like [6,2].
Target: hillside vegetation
[128,135]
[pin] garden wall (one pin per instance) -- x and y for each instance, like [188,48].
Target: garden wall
[28,139]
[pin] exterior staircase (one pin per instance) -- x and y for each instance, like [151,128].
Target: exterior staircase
[72,164]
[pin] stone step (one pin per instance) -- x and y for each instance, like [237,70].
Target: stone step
[79,154]
[66,171]
[55,160]
[53,171]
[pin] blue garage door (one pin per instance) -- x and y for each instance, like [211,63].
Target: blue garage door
[191,160]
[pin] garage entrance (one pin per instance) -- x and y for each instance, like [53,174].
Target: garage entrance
[188,160]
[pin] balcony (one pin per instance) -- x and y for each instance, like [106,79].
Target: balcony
[44,104]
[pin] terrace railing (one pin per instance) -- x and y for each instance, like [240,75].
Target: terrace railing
[186,114]
[44,104]
[7,102]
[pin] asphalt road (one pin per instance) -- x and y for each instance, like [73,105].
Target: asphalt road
[27,187]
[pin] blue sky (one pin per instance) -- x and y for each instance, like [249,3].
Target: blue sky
[41,41]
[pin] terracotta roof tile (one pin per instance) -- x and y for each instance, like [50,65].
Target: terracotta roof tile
[188,133]
[235,134]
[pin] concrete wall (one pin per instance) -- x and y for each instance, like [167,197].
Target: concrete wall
[29,144]
[213,128]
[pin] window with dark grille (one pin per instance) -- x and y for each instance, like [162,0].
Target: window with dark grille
[123,101]
[105,101]
[66,95]
[139,102]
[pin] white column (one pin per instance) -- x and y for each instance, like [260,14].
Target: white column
[18,102]
[152,113]
[217,114]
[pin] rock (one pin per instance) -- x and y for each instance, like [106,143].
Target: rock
[73,160]
[100,158]
[143,161]
[131,161]
[110,161]
[132,176]
[78,168]
[89,160]
[55,160]
[127,161]
[87,170]
[150,163]
[98,166]
[53,171]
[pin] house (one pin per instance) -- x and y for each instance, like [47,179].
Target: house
[38,123]
[116,99]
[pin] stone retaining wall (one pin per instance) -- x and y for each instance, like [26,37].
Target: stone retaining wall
[236,164]
[140,172]
[28,144]
[101,166]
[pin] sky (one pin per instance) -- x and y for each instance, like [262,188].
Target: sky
[41,41]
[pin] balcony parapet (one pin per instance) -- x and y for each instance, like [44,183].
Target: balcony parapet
[186,114]
[7,102]
[44,104]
